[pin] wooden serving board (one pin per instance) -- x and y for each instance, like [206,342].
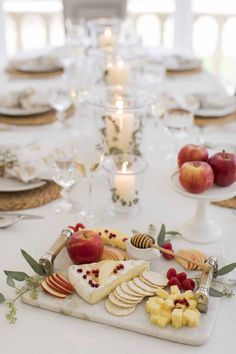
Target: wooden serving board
[138,321]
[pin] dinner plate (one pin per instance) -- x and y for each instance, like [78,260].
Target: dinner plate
[15,185]
[18,112]
[33,65]
[215,112]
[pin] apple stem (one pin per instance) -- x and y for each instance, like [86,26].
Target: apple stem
[224,154]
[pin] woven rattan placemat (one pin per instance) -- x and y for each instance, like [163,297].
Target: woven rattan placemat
[36,119]
[229,203]
[184,72]
[33,75]
[30,198]
[206,121]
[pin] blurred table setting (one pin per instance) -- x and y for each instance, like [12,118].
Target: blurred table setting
[89,133]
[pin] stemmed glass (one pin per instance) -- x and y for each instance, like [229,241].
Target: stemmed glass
[88,152]
[64,173]
[61,100]
[178,123]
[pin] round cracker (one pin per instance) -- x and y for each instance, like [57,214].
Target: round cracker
[138,290]
[118,302]
[155,278]
[118,311]
[137,281]
[127,290]
[120,293]
[148,282]
[127,301]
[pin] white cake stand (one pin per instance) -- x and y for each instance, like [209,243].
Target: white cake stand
[201,229]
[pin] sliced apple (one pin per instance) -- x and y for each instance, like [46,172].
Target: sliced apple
[106,270]
[51,291]
[59,287]
[62,283]
[64,280]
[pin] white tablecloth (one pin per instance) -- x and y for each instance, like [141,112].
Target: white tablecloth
[38,331]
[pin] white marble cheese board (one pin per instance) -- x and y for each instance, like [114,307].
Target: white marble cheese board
[138,321]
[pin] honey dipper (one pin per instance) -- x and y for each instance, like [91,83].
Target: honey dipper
[144,241]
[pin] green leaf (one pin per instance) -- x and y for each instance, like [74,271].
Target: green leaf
[34,264]
[173,233]
[19,276]
[215,293]
[11,282]
[2,298]
[161,236]
[226,269]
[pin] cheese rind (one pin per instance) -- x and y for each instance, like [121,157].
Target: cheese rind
[132,268]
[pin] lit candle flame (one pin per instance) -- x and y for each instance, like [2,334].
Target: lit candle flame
[107,33]
[124,167]
[120,64]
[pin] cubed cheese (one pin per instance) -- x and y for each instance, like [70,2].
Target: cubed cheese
[162,293]
[190,318]
[155,309]
[161,321]
[188,294]
[192,304]
[174,289]
[168,304]
[176,318]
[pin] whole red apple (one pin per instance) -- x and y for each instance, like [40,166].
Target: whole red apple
[85,246]
[196,176]
[224,168]
[191,152]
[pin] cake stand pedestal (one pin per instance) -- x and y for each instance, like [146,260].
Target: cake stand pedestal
[200,228]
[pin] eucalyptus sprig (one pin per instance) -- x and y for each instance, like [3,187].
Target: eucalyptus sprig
[31,283]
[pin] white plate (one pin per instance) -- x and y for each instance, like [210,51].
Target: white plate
[14,185]
[215,112]
[24,112]
[31,66]
[212,194]
[191,64]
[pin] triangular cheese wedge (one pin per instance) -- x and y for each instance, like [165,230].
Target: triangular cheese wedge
[113,237]
[95,281]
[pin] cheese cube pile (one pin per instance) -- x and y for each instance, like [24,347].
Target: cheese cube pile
[164,309]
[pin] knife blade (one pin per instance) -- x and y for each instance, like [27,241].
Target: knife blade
[22,216]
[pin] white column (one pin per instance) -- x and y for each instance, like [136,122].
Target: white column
[3,53]
[183,26]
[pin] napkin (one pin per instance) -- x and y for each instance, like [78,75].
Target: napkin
[29,162]
[24,99]
[216,101]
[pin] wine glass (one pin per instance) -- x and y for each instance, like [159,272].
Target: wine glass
[177,122]
[88,152]
[61,100]
[64,174]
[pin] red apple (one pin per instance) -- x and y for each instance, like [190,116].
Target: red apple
[196,176]
[51,291]
[192,152]
[85,246]
[224,168]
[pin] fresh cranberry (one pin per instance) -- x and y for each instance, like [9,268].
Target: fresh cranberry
[92,285]
[96,285]
[167,256]
[87,272]
[124,239]
[192,283]
[187,285]
[121,266]
[90,281]
[174,281]
[115,271]
[106,231]
[79,270]
[79,226]
[181,276]
[73,228]
[171,273]
[85,276]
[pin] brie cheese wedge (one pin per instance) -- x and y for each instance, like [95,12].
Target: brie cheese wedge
[94,281]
